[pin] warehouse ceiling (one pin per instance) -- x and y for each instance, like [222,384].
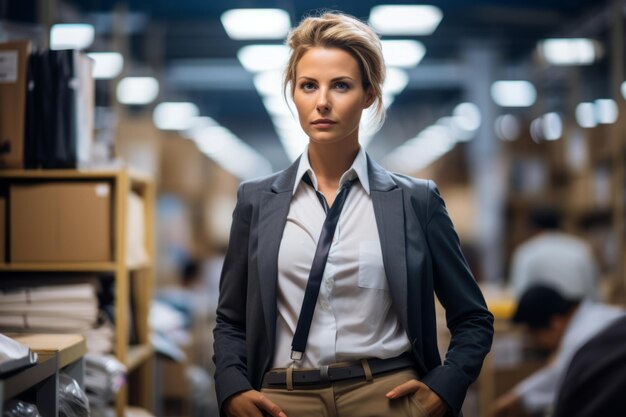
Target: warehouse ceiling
[186,46]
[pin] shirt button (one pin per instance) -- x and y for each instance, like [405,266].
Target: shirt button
[325,305]
[329,284]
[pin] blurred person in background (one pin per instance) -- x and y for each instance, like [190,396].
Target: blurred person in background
[595,383]
[561,325]
[555,258]
[387,245]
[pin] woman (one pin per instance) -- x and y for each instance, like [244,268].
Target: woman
[327,291]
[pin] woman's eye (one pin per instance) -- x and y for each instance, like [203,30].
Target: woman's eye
[307,86]
[340,85]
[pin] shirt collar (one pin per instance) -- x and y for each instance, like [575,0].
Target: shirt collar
[357,170]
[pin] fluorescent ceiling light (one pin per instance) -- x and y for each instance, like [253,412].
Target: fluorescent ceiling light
[175,116]
[606,110]
[467,117]
[276,106]
[623,89]
[395,82]
[197,124]
[257,58]
[71,36]
[222,146]
[568,51]
[585,115]
[405,20]
[552,126]
[403,53]
[269,83]
[245,24]
[513,93]
[388,100]
[507,127]
[422,150]
[107,65]
[137,90]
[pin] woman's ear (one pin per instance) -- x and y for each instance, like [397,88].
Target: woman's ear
[370,97]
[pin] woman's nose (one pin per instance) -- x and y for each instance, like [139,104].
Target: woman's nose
[323,104]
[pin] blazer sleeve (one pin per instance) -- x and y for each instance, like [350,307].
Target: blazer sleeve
[230,329]
[467,317]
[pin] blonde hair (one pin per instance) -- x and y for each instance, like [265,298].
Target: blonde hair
[338,30]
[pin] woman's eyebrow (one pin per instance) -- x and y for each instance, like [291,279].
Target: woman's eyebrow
[342,77]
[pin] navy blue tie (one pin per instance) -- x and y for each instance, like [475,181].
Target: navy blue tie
[300,337]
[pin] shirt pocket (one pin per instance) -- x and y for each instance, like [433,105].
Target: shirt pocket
[371,268]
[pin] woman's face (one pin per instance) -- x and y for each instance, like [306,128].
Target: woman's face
[329,95]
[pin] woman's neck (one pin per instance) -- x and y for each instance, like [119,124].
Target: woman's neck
[330,161]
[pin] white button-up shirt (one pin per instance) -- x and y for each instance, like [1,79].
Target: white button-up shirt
[353,317]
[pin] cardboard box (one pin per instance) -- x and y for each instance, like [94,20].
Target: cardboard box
[60,222]
[13,72]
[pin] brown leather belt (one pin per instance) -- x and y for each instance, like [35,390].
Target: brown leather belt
[329,374]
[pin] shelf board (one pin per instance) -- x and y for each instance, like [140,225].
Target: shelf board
[137,355]
[58,266]
[68,347]
[25,379]
[69,266]
[59,173]
[132,411]
[139,266]
[137,177]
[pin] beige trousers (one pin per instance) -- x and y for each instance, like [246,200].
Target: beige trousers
[351,398]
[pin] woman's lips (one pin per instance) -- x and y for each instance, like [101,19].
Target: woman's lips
[323,123]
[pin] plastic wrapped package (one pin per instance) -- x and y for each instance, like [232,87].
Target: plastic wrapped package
[104,376]
[17,408]
[73,401]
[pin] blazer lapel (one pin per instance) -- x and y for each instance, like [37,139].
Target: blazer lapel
[273,210]
[388,203]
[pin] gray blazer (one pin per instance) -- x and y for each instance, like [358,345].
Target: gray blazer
[421,255]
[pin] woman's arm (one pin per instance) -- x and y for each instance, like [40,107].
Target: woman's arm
[230,329]
[467,317]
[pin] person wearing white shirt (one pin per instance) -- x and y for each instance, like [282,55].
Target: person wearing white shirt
[561,325]
[327,295]
[555,258]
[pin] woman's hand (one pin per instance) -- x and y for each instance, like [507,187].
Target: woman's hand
[432,402]
[251,404]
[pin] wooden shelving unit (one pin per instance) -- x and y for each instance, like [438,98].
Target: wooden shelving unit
[131,280]
[56,353]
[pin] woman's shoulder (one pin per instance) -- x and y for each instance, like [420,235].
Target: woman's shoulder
[258,184]
[421,186]
[422,194]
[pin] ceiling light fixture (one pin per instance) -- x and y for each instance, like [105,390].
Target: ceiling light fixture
[585,115]
[606,110]
[395,81]
[404,53]
[467,117]
[258,58]
[513,93]
[175,116]
[71,36]
[579,51]
[137,90]
[507,127]
[107,65]
[405,19]
[552,126]
[246,24]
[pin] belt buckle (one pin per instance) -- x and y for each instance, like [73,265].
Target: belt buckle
[324,378]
